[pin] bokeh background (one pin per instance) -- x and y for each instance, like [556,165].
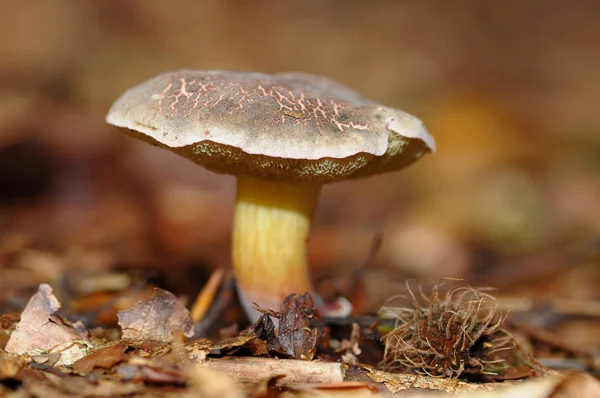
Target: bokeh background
[509,89]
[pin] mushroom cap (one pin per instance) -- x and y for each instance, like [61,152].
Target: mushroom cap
[291,126]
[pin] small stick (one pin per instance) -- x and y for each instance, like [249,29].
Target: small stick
[249,370]
[220,303]
[207,295]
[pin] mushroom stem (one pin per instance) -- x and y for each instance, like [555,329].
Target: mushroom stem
[271,226]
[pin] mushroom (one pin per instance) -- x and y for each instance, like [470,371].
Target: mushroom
[284,136]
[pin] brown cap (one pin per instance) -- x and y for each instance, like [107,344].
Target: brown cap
[292,126]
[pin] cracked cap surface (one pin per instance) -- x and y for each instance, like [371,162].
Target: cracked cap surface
[292,126]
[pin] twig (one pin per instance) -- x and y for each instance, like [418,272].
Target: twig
[247,370]
[207,295]
[223,299]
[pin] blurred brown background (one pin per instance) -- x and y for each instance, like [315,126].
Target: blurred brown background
[509,89]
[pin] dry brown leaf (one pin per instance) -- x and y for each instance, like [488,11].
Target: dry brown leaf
[140,369]
[77,386]
[39,330]
[297,336]
[231,342]
[105,357]
[198,350]
[10,364]
[46,360]
[7,321]
[156,319]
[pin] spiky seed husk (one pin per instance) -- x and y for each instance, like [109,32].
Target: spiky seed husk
[447,334]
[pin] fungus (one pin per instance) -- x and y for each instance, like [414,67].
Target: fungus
[283,136]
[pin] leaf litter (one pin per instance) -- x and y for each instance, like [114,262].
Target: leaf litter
[156,319]
[40,331]
[286,358]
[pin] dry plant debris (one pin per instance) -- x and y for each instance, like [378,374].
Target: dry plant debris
[40,331]
[300,328]
[297,336]
[105,358]
[248,370]
[572,386]
[149,367]
[447,334]
[156,319]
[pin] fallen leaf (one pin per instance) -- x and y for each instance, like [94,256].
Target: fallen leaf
[10,365]
[145,371]
[8,320]
[156,319]
[161,376]
[256,346]
[264,329]
[231,342]
[197,352]
[46,360]
[105,357]
[148,348]
[71,352]
[39,329]
[297,337]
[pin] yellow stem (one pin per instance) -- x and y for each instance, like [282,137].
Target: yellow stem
[271,225]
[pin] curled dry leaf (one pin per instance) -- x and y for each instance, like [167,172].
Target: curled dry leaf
[46,360]
[200,349]
[156,319]
[40,330]
[256,346]
[105,357]
[158,370]
[264,329]
[298,337]
[150,374]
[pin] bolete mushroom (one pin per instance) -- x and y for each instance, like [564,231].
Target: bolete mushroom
[284,136]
